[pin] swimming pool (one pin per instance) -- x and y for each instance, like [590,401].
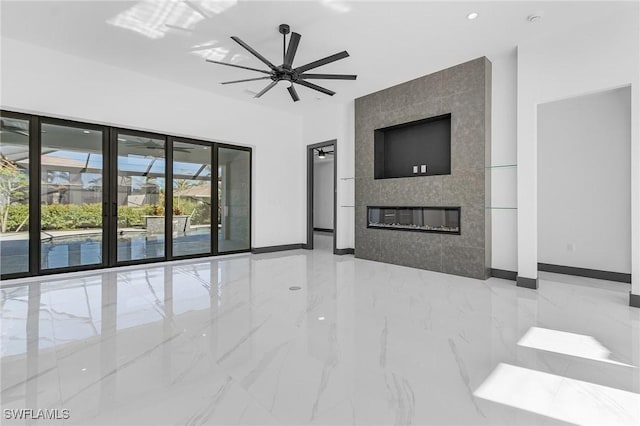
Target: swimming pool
[77,250]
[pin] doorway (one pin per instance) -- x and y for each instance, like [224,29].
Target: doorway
[584,208]
[322,160]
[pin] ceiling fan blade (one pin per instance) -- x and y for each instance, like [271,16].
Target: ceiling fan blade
[293,93]
[323,61]
[291,50]
[266,89]
[246,79]
[253,51]
[315,87]
[237,66]
[327,76]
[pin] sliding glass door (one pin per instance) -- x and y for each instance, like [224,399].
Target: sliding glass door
[14,194]
[192,197]
[72,230]
[78,196]
[139,196]
[234,199]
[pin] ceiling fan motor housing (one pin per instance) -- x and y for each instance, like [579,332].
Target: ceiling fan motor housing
[284,29]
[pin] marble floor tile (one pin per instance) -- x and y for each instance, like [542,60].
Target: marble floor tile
[225,341]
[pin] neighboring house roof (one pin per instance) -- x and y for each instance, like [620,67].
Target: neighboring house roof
[49,160]
[198,191]
[53,161]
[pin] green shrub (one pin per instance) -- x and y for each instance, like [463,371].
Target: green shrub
[17,214]
[71,216]
[130,216]
[200,212]
[88,215]
[79,216]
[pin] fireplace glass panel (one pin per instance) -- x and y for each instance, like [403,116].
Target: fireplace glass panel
[445,220]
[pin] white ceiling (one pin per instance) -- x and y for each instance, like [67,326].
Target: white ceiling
[389,42]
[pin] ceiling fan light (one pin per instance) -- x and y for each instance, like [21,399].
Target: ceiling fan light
[321,154]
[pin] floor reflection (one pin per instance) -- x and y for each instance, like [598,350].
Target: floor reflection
[572,344]
[560,398]
[225,341]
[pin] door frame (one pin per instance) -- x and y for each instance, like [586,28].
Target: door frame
[216,163]
[310,178]
[169,196]
[34,197]
[37,209]
[113,192]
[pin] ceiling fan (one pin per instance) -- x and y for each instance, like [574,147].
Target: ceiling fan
[285,71]
[322,153]
[151,144]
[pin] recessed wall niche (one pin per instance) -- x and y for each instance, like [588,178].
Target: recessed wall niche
[417,148]
[457,99]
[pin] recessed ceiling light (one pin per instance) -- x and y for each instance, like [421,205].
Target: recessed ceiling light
[320,318]
[122,140]
[472,15]
[86,132]
[533,18]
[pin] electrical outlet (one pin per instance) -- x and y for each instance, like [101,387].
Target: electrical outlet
[423,168]
[415,169]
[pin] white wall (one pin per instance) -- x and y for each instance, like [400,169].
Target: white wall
[584,181]
[504,230]
[586,59]
[328,122]
[42,81]
[323,193]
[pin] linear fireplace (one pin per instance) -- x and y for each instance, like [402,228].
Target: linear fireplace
[442,220]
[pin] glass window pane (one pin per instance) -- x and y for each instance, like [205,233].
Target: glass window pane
[70,196]
[234,199]
[14,196]
[191,199]
[141,197]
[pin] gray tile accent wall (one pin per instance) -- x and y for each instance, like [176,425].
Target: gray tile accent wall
[465,92]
